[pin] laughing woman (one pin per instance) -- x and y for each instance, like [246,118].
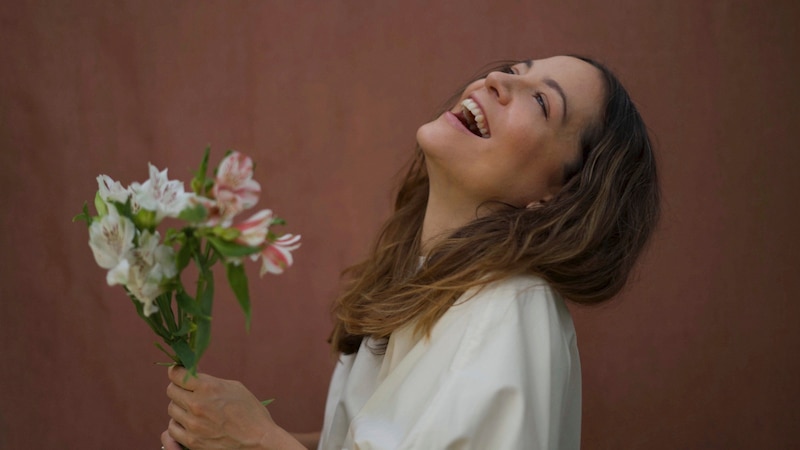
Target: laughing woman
[538,185]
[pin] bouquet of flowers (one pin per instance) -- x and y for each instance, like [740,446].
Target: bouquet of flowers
[124,239]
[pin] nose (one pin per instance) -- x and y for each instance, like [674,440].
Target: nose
[499,84]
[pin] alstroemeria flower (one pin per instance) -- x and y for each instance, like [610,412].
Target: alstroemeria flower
[111,240]
[150,265]
[159,258]
[254,230]
[234,187]
[144,288]
[111,190]
[277,255]
[164,196]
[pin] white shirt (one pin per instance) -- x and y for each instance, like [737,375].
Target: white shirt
[499,371]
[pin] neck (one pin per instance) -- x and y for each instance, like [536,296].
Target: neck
[443,215]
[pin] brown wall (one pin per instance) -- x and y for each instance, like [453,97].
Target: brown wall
[700,352]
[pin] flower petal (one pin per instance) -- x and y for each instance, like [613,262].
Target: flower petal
[111,238]
[234,188]
[254,230]
[111,190]
[277,256]
[119,274]
[167,198]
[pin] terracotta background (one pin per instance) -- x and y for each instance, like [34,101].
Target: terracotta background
[700,352]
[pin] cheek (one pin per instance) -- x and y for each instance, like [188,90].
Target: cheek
[533,141]
[534,167]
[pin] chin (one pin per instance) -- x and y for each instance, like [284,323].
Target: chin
[432,135]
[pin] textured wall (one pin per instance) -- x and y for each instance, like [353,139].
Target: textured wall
[699,352]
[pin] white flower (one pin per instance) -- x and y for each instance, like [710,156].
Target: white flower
[166,197]
[150,265]
[119,274]
[111,240]
[111,190]
[144,288]
[159,258]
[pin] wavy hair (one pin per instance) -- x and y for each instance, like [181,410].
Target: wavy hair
[583,242]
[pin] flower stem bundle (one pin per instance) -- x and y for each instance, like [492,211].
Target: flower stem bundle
[125,241]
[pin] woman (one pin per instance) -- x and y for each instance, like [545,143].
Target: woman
[538,184]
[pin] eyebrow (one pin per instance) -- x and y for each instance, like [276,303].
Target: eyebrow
[556,87]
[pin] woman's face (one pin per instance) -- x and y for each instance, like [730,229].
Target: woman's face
[526,127]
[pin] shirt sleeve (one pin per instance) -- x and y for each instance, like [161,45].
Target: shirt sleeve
[501,371]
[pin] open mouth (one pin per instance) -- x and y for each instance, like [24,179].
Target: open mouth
[472,117]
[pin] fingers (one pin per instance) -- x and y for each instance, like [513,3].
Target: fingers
[180,377]
[168,442]
[178,413]
[179,395]
[177,434]
[180,391]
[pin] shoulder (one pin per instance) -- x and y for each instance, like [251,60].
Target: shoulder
[520,314]
[522,299]
[517,288]
[511,346]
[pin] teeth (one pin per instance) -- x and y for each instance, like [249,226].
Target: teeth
[477,114]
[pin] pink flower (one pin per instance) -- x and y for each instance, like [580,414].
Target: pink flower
[277,255]
[254,230]
[234,188]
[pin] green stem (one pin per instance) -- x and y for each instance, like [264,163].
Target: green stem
[165,308]
[158,327]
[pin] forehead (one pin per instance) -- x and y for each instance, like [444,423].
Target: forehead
[567,68]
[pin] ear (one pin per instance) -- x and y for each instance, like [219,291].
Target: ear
[537,203]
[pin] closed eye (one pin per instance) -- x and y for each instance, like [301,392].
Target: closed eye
[538,96]
[540,99]
[509,70]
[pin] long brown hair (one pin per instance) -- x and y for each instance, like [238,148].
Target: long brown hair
[584,241]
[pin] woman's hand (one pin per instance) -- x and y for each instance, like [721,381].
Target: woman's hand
[168,443]
[211,413]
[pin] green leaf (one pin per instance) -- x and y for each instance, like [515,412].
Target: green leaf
[125,209]
[185,354]
[186,328]
[188,304]
[84,215]
[171,356]
[173,236]
[164,302]
[202,335]
[194,214]
[230,249]
[267,402]
[237,278]
[278,221]
[205,297]
[200,184]
[184,254]
[156,326]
